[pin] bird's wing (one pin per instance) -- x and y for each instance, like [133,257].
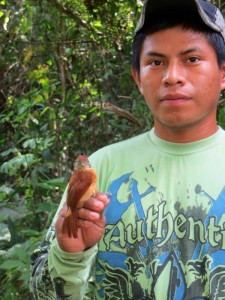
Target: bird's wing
[81,186]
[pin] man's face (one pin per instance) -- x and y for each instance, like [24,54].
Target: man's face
[181,82]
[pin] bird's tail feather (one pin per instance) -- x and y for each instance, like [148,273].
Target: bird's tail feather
[70,225]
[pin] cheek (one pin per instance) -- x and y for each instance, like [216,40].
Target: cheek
[211,89]
[150,87]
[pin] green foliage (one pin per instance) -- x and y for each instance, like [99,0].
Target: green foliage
[64,82]
[65,87]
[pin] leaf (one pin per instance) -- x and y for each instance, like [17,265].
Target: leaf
[12,166]
[15,214]
[27,55]
[30,233]
[46,207]
[9,264]
[21,254]
[9,151]
[25,275]
[53,184]
[6,21]
[57,182]
[5,190]
[97,23]
[45,186]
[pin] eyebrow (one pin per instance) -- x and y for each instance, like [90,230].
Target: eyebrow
[191,50]
[158,54]
[154,53]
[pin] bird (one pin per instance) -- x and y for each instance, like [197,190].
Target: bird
[81,186]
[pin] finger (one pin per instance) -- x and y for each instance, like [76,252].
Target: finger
[62,214]
[94,204]
[88,215]
[97,203]
[86,223]
[105,198]
[63,211]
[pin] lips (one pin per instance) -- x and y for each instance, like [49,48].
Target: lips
[175,97]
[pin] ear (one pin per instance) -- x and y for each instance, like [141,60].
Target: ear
[136,76]
[223,77]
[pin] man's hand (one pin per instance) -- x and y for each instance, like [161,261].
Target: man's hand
[91,223]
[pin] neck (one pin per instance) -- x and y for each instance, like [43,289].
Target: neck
[185,135]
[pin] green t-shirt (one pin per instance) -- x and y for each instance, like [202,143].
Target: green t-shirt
[164,237]
[165,232]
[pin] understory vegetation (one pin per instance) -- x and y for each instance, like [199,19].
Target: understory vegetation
[65,88]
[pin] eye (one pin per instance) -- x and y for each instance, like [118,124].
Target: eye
[193,59]
[155,63]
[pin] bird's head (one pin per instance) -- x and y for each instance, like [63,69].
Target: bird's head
[81,162]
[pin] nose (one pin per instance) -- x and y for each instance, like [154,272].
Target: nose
[174,74]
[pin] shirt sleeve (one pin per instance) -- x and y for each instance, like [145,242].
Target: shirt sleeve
[56,274]
[71,272]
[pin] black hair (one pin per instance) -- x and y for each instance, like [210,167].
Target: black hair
[172,19]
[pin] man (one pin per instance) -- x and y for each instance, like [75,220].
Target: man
[161,236]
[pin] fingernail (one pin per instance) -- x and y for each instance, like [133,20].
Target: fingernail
[108,195]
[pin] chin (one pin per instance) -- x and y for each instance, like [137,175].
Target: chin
[176,125]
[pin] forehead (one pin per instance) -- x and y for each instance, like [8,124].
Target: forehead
[176,39]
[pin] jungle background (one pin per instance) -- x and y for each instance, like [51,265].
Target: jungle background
[65,88]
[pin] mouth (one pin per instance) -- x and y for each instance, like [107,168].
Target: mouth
[175,98]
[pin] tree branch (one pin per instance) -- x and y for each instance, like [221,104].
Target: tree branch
[69,13]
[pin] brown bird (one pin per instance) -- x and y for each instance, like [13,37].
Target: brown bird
[82,185]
